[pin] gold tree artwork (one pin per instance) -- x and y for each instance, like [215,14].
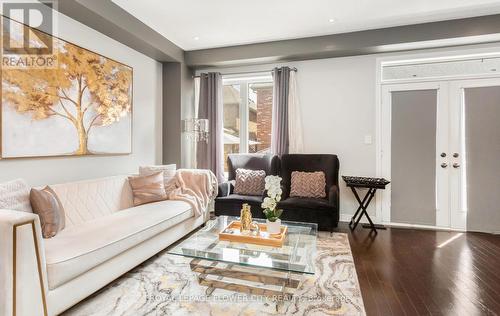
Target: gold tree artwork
[86,89]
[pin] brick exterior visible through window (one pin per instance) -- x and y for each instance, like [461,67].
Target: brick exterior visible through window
[263,119]
[257,98]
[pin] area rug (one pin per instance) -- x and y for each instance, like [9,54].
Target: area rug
[165,285]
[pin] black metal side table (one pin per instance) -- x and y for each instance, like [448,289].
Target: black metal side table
[372,184]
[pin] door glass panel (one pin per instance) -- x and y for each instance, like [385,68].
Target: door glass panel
[413,156]
[232,123]
[482,147]
[260,115]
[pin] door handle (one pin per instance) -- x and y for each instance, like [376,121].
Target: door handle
[444,165]
[456,165]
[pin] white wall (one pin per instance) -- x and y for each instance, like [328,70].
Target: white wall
[338,103]
[337,98]
[146,125]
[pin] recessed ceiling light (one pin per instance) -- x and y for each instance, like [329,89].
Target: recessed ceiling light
[331,20]
[196,38]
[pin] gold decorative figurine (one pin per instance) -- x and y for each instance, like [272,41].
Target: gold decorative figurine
[246,219]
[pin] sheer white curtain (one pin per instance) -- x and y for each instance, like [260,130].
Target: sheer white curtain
[296,142]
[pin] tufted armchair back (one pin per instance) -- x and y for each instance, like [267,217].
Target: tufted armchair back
[329,164]
[267,162]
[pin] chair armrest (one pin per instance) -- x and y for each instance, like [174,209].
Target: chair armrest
[226,188]
[334,196]
[22,264]
[11,217]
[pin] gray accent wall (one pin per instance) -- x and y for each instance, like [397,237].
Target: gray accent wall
[178,96]
[413,157]
[482,135]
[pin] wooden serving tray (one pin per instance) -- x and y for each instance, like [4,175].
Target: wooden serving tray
[264,238]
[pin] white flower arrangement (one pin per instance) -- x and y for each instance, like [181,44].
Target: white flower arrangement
[273,187]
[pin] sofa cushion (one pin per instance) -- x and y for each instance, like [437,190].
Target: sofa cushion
[305,203]
[77,249]
[91,199]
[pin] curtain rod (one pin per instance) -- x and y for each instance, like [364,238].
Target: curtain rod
[250,72]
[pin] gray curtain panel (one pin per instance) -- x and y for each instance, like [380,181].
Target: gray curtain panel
[280,136]
[211,155]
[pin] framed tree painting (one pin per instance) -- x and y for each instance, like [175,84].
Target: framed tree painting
[81,105]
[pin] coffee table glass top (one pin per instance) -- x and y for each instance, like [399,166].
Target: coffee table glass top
[296,255]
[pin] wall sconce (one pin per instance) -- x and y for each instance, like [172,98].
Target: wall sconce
[196,129]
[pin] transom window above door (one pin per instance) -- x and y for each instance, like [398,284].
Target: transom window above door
[248,104]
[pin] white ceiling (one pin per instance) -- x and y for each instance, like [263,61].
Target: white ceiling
[198,24]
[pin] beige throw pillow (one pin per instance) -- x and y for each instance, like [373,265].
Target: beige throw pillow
[147,189]
[169,172]
[308,184]
[49,208]
[250,182]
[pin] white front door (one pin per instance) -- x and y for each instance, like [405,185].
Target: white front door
[475,148]
[440,156]
[416,153]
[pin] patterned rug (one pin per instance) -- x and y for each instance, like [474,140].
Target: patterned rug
[165,285]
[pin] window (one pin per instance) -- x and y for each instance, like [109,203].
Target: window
[248,103]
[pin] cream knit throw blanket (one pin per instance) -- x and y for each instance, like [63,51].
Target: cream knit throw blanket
[195,186]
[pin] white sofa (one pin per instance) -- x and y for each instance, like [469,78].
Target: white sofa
[105,236]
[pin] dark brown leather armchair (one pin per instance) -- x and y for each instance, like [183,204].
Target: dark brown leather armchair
[324,212]
[228,203]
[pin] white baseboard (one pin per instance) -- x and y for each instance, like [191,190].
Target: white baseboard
[347,218]
[428,227]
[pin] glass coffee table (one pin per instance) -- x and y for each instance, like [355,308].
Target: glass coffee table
[253,269]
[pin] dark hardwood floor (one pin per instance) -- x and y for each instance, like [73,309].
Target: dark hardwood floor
[424,272]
